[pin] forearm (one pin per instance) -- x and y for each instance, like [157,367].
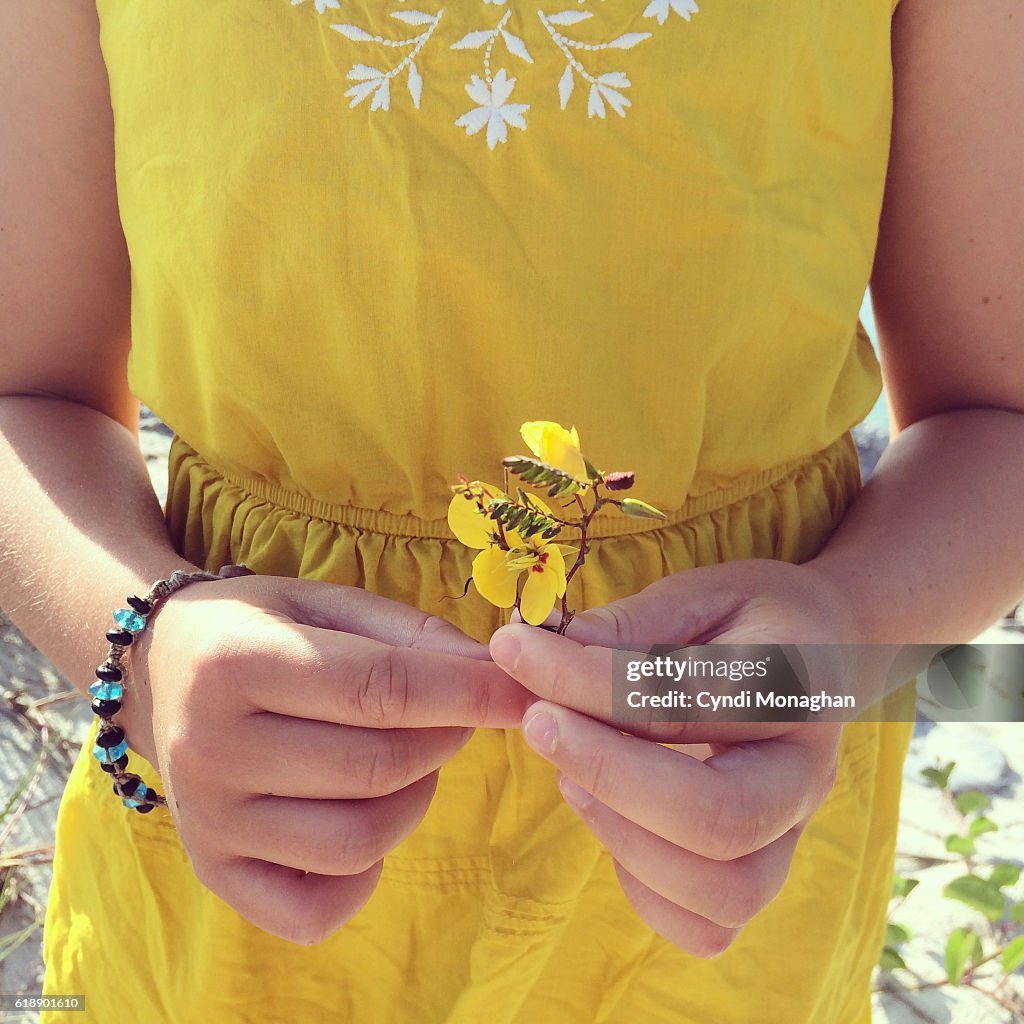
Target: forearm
[80,527]
[927,552]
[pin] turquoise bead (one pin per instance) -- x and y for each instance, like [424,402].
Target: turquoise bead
[107,691]
[138,797]
[110,754]
[127,619]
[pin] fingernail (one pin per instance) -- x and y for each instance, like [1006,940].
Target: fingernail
[541,733]
[505,651]
[575,795]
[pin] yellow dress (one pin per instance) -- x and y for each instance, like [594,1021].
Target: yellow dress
[368,241]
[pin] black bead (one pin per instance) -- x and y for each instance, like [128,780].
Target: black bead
[120,764]
[109,673]
[127,786]
[138,605]
[111,737]
[106,708]
[145,808]
[120,637]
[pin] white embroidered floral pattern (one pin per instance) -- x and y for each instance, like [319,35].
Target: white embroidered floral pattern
[492,92]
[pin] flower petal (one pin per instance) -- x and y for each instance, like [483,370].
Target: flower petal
[493,579]
[556,566]
[468,523]
[558,447]
[539,595]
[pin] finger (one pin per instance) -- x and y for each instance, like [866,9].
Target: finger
[328,837]
[334,762]
[723,808]
[558,669]
[354,610]
[679,609]
[296,906]
[726,893]
[312,673]
[690,932]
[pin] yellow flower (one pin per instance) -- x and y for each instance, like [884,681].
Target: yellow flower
[496,571]
[556,446]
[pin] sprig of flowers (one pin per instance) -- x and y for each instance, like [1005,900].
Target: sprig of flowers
[515,533]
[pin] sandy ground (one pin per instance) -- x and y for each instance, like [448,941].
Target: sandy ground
[37,710]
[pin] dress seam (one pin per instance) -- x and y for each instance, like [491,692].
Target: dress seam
[393,524]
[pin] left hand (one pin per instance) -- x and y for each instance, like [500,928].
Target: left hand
[700,847]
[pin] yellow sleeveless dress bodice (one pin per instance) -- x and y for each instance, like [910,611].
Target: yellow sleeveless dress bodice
[368,240]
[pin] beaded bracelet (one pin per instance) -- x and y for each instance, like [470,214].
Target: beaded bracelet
[111,748]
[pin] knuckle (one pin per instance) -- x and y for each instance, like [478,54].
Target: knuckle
[741,899]
[430,629]
[561,681]
[382,695]
[223,661]
[384,770]
[346,851]
[480,700]
[310,930]
[596,777]
[622,619]
[827,781]
[310,926]
[732,828]
[712,941]
[211,872]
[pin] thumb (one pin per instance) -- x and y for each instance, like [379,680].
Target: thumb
[687,607]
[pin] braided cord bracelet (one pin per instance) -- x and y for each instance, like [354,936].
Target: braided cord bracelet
[111,747]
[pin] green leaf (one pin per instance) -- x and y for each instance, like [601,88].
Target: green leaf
[1013,955]
[639,509]
[540,474]
[525,519]
[962,845]
[939,777]
[962,947]
[890,960]
[1004,874]
[981,825]
[978,894]
[896,933]
[971,800]
[1017,912]
[903,887]
[592,473]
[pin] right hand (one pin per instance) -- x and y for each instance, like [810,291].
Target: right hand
[298,728]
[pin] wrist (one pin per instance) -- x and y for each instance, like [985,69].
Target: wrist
[120,681]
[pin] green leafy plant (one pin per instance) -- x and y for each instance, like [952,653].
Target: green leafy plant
[982,888]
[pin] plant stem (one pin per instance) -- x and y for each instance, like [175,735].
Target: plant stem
[567,616]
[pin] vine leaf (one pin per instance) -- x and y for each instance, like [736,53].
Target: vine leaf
[628,40]
[473,40]
[360,35]
[1013,955]
[962,947]
[570,17]
[939,777]
[414,17]
[979,894]
[516,45]
[415,83]
[565,85]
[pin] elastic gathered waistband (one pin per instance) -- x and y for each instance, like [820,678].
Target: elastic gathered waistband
[407,525]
